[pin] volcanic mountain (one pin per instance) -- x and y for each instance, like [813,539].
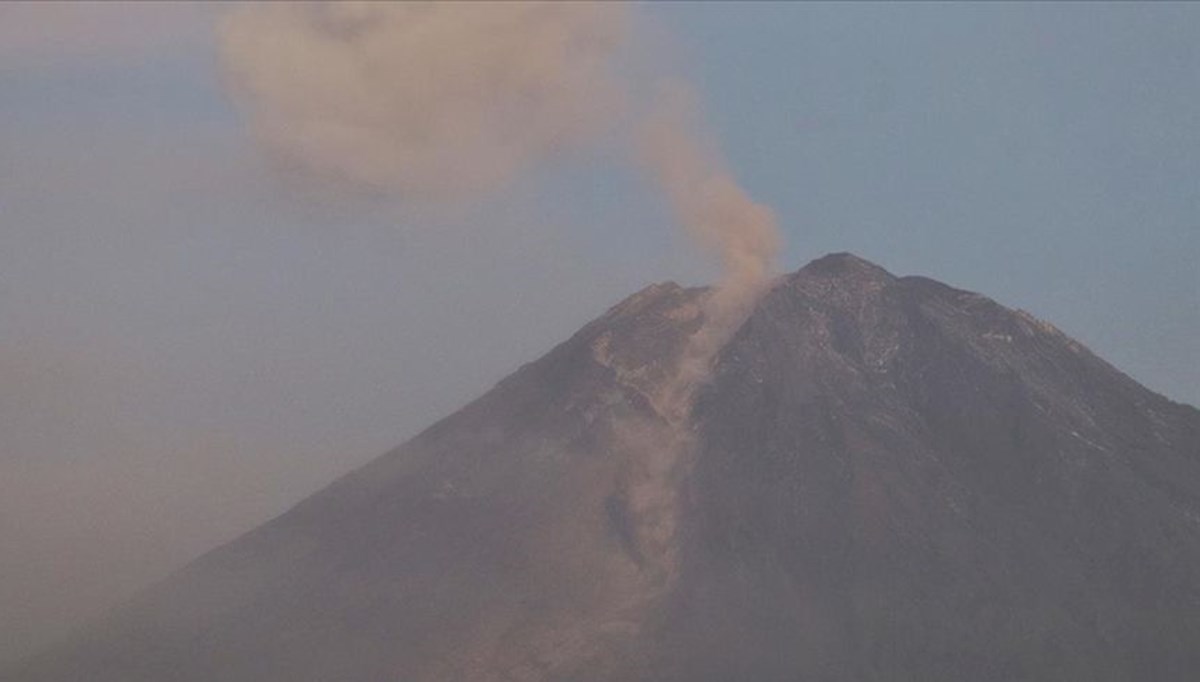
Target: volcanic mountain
[883,478]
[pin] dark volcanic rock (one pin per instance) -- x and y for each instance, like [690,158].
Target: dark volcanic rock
[891,479]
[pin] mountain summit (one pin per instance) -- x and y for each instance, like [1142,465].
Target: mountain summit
[885,478]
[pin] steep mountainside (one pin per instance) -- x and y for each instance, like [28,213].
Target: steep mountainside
[885,479]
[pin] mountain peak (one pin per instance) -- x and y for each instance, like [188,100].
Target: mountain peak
[883,477]
[843,265]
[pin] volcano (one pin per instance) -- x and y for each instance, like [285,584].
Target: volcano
[884,478]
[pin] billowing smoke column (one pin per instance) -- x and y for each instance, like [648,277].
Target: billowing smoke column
[446,101]
[443,101]
[715,210]
[707,200]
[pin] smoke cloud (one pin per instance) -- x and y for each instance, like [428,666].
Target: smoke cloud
[429,101]
[708,202]
[447,101]
[717,212]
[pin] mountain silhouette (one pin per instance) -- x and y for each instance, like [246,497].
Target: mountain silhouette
[884,478]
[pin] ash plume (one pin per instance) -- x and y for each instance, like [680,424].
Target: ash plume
[441,101]
[427,101]
[445,102]
[718,214]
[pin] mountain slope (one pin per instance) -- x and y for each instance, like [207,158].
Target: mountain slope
[886,478]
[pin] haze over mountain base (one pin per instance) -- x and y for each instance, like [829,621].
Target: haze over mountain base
[885,479]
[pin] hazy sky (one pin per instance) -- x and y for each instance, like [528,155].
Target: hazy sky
[190,343]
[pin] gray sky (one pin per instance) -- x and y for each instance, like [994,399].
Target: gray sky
[191,344]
